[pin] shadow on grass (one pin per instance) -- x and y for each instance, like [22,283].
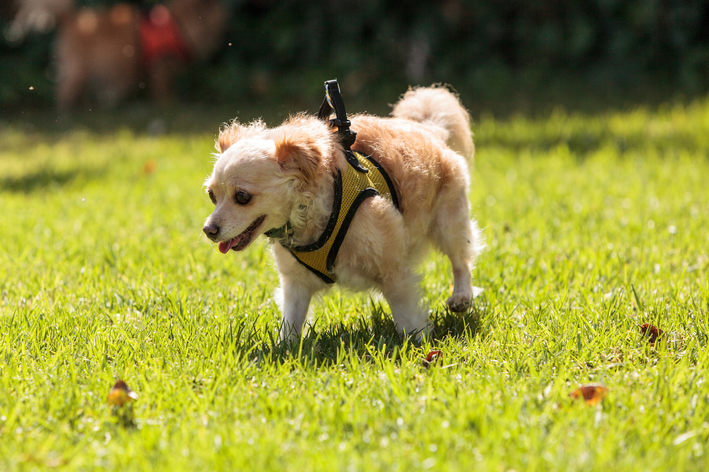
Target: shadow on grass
[45,178]
[365,338]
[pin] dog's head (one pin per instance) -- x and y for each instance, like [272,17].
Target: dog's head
[261,176]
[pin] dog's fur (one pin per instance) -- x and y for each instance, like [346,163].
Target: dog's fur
[288,172]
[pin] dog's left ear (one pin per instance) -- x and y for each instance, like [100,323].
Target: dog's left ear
[301,155]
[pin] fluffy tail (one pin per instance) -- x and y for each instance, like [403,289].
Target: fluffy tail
[439,108]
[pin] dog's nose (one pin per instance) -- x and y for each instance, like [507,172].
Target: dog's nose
[211,231]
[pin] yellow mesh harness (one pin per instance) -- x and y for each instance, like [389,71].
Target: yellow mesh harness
[351,189]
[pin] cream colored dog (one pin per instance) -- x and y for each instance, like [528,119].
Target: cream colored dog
[266,178]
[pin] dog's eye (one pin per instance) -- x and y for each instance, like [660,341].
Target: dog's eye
[242,198]
[211,196]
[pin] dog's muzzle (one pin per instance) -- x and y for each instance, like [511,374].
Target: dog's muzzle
[237,243]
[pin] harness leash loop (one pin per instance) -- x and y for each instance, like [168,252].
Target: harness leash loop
[333,101]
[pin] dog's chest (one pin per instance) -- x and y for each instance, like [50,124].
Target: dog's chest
[352,188]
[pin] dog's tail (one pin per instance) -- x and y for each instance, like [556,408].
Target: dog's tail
[442,110]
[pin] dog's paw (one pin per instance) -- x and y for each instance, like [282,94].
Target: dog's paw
[459,302]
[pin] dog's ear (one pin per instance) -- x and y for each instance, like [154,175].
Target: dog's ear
[235,131]
[224,141]
[299,154]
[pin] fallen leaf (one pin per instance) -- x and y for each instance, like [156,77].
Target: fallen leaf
[120,394]
[653,333]
[592,394]
[149,167]
[431,358]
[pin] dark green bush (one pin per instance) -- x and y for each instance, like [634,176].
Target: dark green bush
[285,49]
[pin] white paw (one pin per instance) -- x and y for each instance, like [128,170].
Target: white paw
[289,333]
[459,302]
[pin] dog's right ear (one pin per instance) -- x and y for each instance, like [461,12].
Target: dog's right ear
[235,131]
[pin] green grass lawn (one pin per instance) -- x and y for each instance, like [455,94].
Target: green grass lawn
[594,225]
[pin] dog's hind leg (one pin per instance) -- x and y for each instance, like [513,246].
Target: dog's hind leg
[458,237]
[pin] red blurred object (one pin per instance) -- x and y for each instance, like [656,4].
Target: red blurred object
[107,54]
[160,37]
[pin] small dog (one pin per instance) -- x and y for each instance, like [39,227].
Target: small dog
[286,177]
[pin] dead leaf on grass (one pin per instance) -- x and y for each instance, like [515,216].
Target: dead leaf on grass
[149,167]
[592,394]
[652,333]
[120,394]
[431,358]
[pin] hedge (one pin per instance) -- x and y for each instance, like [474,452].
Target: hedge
[287,48]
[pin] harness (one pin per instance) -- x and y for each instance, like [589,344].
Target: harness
[363,178]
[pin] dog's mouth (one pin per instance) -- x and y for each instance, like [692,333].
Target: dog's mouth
[244,239]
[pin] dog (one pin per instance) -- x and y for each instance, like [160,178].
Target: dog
[286,177]
[114,52]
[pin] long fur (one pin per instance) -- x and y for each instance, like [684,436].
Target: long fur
[288,173]
[439,108]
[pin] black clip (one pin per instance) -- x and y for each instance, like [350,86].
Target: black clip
[333,100]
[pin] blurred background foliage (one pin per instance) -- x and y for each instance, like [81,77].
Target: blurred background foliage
[496,53]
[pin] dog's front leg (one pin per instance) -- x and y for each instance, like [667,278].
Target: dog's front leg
[402,292]
[296,300]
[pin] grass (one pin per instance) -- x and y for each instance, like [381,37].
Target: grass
[595,224]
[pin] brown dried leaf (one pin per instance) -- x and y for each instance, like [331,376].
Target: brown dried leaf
[120,394]
[653,333]
[592,394]
[431,358]
[149,166]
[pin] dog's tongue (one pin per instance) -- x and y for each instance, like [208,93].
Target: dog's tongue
[224,246]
